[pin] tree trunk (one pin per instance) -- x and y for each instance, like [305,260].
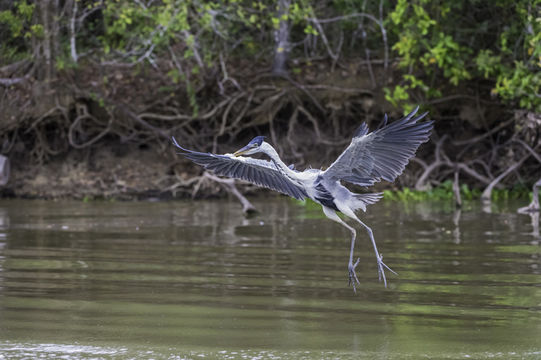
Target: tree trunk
[47,48]
[281,39]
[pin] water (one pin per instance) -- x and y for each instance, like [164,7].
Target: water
[190,280]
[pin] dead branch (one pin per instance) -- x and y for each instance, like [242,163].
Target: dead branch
[339,89]
[226,77]
[483,136]
[369,65]
[456,97]
[235,123]
[313,120]
[229,185]
[487,193]
[421,181]
[321,33]
[379,23]
[466,169]
[181,184]
[145,124]
[534,205]
[529,149]
[304,90]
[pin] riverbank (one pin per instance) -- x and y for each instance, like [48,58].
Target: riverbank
[131,172]
[111,171]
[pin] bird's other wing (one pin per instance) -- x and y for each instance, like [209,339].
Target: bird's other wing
[259,172]
[382,154]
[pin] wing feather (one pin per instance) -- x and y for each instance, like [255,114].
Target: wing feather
[382,154]
[259,172]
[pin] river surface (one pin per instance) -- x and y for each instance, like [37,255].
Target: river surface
[192,280]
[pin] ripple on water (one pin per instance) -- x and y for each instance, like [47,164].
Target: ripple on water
[83,352]
[191,280]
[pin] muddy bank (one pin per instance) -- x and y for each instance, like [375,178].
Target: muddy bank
[115,171]
[108,171]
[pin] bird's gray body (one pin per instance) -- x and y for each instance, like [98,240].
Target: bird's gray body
[370,157]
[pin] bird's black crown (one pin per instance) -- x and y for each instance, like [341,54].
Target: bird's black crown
[257,140]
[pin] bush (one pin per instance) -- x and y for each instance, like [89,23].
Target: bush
[459,41]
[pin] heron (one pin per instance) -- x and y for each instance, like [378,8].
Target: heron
[370,157]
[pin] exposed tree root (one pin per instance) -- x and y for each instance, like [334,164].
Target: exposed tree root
[308,123]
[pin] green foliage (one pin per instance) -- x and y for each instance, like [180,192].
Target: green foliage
[442,192]
[64,61]
[129,25]
[18,18]
[15,30]
[194,33]
[442,46]
[520,83]
[445,192]
[438,40]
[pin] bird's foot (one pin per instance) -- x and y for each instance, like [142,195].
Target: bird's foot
[352,275]
[381,269]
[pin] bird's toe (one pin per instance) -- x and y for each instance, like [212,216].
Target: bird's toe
[353,275]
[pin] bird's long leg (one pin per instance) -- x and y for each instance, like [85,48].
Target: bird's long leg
[379,257]
[331,214]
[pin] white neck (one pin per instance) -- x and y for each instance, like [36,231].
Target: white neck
[266,148]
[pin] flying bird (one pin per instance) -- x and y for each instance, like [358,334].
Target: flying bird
[370,157]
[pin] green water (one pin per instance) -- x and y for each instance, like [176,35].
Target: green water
[191,280]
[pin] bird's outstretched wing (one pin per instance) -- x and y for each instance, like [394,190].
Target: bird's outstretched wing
[382,154]
[259,172]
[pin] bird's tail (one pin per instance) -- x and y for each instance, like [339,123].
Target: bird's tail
[361,200]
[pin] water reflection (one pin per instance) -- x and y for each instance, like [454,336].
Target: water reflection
[183,279]
[456,221]
[4,226]
[534,217]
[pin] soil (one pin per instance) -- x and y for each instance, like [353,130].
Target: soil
[124,172]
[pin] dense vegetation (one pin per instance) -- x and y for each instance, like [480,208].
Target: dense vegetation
[79,73]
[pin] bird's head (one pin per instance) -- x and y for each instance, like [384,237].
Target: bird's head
[254,146]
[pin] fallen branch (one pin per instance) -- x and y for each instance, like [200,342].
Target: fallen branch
[487,193]
[229,185]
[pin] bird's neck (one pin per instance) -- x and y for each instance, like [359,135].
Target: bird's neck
[282,167]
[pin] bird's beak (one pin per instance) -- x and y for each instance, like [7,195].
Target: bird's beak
[241,151]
